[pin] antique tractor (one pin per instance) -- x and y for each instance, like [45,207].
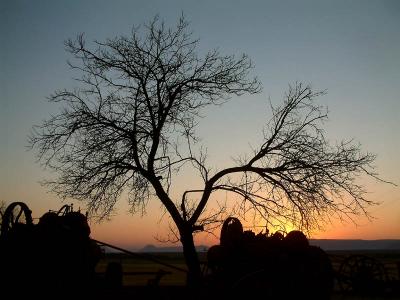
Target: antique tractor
[54,255]
[275,265]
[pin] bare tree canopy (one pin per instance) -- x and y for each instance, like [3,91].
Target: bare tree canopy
[131,124]
[296,175]
[117,130]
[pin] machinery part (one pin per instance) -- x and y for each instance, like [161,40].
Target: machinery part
[15,215]
[231,232]
[114,275]
[64,210]
[296,240]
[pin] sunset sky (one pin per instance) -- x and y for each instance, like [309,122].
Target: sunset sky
[351,49]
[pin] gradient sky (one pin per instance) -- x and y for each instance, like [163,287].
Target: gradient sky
[349,48]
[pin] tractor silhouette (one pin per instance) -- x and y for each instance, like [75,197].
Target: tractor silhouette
[56,254]
[276,265]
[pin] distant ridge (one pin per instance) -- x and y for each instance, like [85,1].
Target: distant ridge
[152,249]
[356,244]
[325,244]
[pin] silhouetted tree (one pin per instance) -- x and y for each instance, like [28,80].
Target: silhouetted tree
[130,126]
[2,210]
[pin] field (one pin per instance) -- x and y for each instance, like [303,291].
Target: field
[141,273]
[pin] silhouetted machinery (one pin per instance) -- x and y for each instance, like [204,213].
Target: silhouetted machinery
[54,255]
[276,265]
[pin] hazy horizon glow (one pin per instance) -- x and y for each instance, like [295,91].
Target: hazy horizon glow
[351,49]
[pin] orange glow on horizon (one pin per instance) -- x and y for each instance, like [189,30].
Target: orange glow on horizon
[134,231]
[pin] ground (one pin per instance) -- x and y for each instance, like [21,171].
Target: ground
[145,278]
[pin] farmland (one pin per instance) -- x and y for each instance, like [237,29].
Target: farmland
[140,273]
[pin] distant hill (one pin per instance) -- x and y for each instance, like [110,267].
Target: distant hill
[357,244]
[152,249]
[323,243]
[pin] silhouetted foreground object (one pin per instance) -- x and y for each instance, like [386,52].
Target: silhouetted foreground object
[273,265]
[56,255]
[364,275]
[114,275]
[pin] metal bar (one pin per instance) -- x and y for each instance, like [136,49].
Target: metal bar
[141,255]
[161,272]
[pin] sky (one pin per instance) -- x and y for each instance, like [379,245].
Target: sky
[351,49]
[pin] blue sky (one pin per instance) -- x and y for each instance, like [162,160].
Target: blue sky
[349,48]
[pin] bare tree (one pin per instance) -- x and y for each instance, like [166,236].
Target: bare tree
[2,210]
[130,126]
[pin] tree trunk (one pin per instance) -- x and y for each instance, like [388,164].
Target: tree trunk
[194,276]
